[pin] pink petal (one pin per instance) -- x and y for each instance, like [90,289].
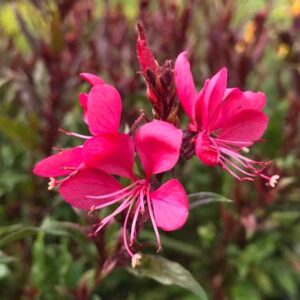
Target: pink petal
[113,153]
[104,109]
[88,182]
[256,100]
[213,93]
[236,100]
[185,86]
[245,127]
[83,101]
[91,78]
[158,146]
[170,205]
[206,151]
[59,164]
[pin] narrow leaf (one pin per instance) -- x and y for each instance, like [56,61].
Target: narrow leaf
[168,273]
[203,198]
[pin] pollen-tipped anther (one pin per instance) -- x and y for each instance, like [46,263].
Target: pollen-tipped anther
[274,180]
[52,183]
[136,260]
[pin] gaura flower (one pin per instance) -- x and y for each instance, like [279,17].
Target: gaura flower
[158,147]
[224,121]
[102,109]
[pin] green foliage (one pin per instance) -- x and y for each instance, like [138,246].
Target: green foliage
[168,272]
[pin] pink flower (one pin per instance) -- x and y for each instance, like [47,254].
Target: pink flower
[158,146]
[102,109]
[224,121]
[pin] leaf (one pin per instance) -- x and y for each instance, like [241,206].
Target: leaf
[11,233]
[203,198]
[69,229]
[14,232]
[168,273]
[245,290]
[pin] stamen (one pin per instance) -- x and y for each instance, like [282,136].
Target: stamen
[236,155]
[142,194]
[234,143]
[245,150]
[234,174]
[237,167]
[114,193]
[70,175]
[153,219]
[92,209]
[133,225]
[107,219]
[136,260]
[52,183]
[70,133]
[274,180]
[100,206]
[125,231]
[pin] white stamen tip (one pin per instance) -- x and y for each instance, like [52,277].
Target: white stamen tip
[136,260]
[245,150]
[51,184]
[274,180]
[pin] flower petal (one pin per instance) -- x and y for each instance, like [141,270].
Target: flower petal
[88,182]
[104,109]
[170,205]
[213,93]
[158,146]
[185,86]
[256,100]
[59,164]
[235,101]
[91,78]
[83,101]
[113,153]
[206,151]
[245,128]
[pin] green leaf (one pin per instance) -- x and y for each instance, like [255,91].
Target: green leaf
[11,233]
[245,290]
[203,198]
[168,273]
[17,231]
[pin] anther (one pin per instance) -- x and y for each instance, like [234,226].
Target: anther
[52,183]
[136,260]
[274,180]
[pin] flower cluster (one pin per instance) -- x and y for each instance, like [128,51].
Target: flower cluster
[223,123]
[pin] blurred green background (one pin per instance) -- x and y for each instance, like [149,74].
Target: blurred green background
[248,249]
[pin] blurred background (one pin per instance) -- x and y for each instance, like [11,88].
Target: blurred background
[248,249]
